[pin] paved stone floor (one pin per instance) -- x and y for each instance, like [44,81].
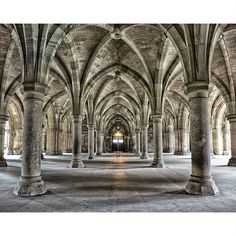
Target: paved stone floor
[118,183]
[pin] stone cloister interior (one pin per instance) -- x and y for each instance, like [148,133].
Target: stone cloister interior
[117,117]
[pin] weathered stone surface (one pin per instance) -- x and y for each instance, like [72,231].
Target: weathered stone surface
[107,78]
[30,186]
[201,186]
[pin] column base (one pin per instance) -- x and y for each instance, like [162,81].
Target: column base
[91,157]
[144,156]
[3,162]
[68,150]
[232,161]
[17,152]
[10,152]
[53,153]
[225,152]
[181,153]
[168,150]
[201,186]
[138,154]
[158,164]
[98,154]
[30,186]
[76,164]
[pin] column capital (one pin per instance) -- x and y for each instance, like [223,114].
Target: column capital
[231,118]
[3,118]
[77,118]
[137,130]
[91,126]
[198,89]
[156,118]
[144,126]
[29,86]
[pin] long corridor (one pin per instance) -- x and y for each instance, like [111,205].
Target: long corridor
[118,183]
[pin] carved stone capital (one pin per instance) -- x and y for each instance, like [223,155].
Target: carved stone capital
[156,118]
[198,89]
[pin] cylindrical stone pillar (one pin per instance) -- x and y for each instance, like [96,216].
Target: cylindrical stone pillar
[10,145]
[3,120]
[166,141]
[201,182]
[128,144]
[134,142]
[43,139]
[77,140]
[226,141]
[91,142]
[54,146]
[138,153]
[145,142]
[181,142]
[99,143]
[157,142]
[216,141]
[177,142]
[68,142]
[31,182]
[171,141]
[232,122]
[102,143]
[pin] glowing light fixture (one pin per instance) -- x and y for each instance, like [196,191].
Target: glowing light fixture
[118,134]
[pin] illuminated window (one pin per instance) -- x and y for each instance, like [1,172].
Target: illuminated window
[117,141]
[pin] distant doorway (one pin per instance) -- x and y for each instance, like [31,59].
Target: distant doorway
[118,142]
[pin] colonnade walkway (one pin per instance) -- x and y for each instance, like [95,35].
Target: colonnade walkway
[118,183]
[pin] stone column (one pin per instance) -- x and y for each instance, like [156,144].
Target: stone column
[99,144]
[125,143]
[138,153]
[145,142]
[102,143]
[211,142]
[232,122]
[44,139]
[128,144]
[51,136]
[157,142]
[169,146]
[216,141]
[201,182]
[165,142]
[177,143]
[225,141]
[18,141]
[171,141]
[110,144]
[91,141]
[59,141]
[181,143]
[54,146]
[77,140]
[31,182]
[3,120]
[10,145]
[133,142]
[68,142]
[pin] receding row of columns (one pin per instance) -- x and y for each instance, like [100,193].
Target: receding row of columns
[176,141]
[201,182]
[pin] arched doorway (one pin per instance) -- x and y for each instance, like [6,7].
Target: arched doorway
[117,141]
[118,135]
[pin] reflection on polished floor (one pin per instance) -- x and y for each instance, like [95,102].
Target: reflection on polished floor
[118,183]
